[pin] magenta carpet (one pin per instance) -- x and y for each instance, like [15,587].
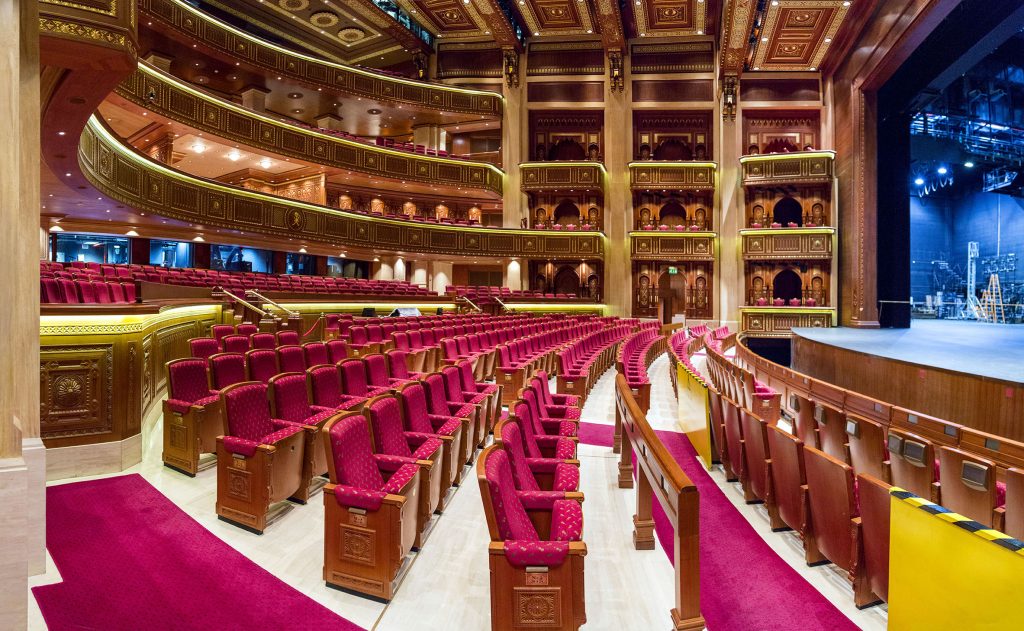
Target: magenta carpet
[130,559]
[745,586]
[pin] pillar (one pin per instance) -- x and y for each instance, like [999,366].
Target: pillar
[384,268]
[254,98]
[329,121]
[399,269]
[515,134]
[430,136]
[513,274]
[729,266]
[441,276]
[22,456]
[618,200]
[420,274]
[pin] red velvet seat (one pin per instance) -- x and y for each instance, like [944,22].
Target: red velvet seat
[540,445]
[261,364]
[373,499]
[260,460]
[219,331]
[102,292]
[316,354]
[226,369]
[263,341]
[203,347]
[325,389]
[535,474]
[246,329]
[337,350]
[354,381]
[449,430]
[191,414]
[543,424]
[291,358]
[519,557]
[377,374]
[423,450]
[234,343]
[455,394]
[287,338]
[289,401]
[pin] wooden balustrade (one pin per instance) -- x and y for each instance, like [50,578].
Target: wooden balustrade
[660,476]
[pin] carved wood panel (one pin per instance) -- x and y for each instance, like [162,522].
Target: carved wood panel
[76,390]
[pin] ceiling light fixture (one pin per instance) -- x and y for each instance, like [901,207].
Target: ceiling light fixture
[198,147]
[266,163]
[234,155]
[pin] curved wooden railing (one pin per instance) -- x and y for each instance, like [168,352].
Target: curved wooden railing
[123,174]
[172,98]
[236,44]
[660,476]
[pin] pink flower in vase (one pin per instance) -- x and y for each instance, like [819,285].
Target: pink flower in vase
[776,224]
[794,302]
[779,302]
[761,302]
[811,302]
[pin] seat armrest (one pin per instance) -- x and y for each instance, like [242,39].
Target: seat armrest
[240,446]
[543,465]
[540,500]
[389,463]
[352,497]
[532,553]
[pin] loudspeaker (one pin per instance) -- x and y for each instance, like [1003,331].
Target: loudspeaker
[369,312]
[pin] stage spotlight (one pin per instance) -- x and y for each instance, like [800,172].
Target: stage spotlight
[919,181]
[943,170]
[969,164]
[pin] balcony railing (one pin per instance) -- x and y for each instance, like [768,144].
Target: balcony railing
[801,167]
[672,176]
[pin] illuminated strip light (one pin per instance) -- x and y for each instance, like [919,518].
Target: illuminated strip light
[563,163]
[166,78]
[786,231]
[673,163]
[118,323]
[789,156]
[260,42]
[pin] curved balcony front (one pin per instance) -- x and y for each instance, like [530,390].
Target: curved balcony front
[224,39]
[125,175]
[171,98]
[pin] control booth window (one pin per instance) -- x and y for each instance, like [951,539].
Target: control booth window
[299,263]
[347,268]
[235,258]
[170,253]
[89,248]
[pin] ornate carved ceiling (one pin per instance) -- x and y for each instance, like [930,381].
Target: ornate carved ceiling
[669,18]
[784,35]
[557,18]
[796,34]
[462,20]
[349,31]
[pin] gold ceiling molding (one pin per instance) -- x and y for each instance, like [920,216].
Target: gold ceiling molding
[137,181]
[163,94]
[737,22]
[796,34]
[240,45]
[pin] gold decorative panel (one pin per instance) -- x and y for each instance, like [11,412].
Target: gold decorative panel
[779,321]
[788,244]
[803,167]
[76,390]
[676,176]
[237,44]
[562,175]
[683,246]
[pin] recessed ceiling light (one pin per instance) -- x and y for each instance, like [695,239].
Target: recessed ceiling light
[266,163]
[298,110]
[373,111]
[234,155]
[295,95]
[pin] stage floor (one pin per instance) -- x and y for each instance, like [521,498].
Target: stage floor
[988,350]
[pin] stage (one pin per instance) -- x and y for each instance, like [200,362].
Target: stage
[970,373]
[989,350]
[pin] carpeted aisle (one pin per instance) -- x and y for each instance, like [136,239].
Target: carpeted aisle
[745,586]
[131,559]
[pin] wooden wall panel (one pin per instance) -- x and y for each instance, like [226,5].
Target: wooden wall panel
[780,90]
[566,92]
[687,91]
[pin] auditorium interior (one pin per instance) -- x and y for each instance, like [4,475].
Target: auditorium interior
[512,314]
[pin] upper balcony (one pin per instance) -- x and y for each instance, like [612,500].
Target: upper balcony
[800,168]
[538,177]
[651,175]
[154,91]
[177,23]
[788,244]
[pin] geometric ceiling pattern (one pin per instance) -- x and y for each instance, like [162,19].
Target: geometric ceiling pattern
[796,34]
[669,18]
[462,20]
[557,18]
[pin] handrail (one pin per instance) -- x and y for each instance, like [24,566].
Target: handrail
[471,303]
[659,475]
[253,292]
[242,301]
[503,305]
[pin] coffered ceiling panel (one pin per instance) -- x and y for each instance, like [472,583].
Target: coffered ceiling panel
[796,34]
[544,18]
[448,19]
[669,18]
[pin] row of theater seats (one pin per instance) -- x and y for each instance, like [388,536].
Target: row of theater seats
[485,295]
[237,282]
[829,476]
[390,143]
[84,291]
[529,485]
[581,363]
[635,355]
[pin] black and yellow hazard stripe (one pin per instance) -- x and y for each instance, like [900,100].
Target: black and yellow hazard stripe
[966,523]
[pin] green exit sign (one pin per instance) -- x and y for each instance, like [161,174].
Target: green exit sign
[673,270]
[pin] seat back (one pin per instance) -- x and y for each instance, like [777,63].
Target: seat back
[867,447]
[203,347]
[453,384]
[506,517]
[804,426]
[350,453]
[287,338]
[511,438]
[520,411]
[325,385]
[376,370]
[316,353]
[262,364]
[86,292]
[874,514]
[263,340]
[716,420]
[755,443]
[912,464]
[289,398]
[291,358]
[734,437]
[102,292]
[246,410]
[437,401]
[187,380]
[830,496]
[68,291]
[415,413]
[220,331]
[788,475]
[385,417]
[466,377]
[968,484]
[398,367]
[831,431]
[226,369]
[337,350]
[353,377]
[234,343]
[247,329]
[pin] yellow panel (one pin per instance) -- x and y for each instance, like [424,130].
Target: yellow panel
[944,577]
[694,414]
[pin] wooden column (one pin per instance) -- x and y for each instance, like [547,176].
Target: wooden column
[19,318]
[618,200]
[729,266]
[515,130]
[138,251]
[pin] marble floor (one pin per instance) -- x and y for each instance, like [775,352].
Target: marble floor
[626,589]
